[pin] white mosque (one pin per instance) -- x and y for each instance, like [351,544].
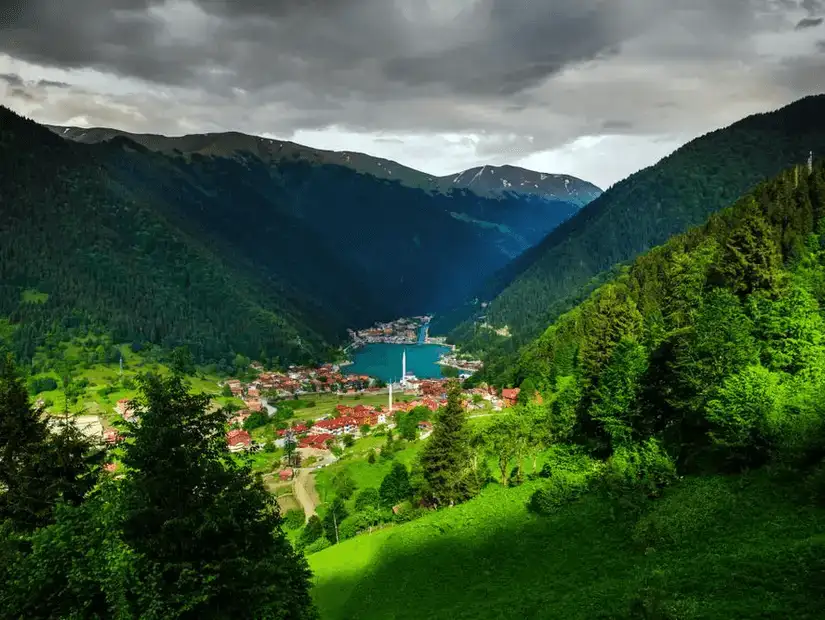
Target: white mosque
[406,378]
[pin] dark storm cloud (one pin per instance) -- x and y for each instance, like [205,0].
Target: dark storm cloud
[809,22]
[15,81]
[520,75]
[482,47]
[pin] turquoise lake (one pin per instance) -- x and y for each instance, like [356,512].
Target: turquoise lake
[384,361]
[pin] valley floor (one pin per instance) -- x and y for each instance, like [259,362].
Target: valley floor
[718,547]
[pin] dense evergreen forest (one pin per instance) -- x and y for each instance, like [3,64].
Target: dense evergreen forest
[710,345]
[645,209]
[230,255]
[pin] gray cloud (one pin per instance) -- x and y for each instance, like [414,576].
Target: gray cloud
[520,75]
[11,79]
[809,22]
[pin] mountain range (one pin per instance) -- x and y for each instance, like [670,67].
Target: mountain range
[226,244]
[484,181]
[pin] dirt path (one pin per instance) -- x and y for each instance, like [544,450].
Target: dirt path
[305,492]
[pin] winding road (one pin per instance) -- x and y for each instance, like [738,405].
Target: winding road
[305,493]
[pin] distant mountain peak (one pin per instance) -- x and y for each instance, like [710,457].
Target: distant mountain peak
[498,180]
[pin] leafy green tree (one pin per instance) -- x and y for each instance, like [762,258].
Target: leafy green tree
[446,456]
[790,330]
[348,440]
[83,552]
[742,414]
[313,530]
[343,484]
[407,423]
[614,404]
[527,391]
[335,515]
[294,519]
[395,487]
[501,445]
[612,316]
[290,450]
[448,372]
[367,498]
[257,419]
[207,533]
[182,362]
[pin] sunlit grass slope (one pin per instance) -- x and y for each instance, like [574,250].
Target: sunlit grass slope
[716,547]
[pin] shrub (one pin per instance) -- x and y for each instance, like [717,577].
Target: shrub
[636,474]
[256,420]
[367,498]
[316,546]
[293,519]
[555,494]
[312,531]
[42,384]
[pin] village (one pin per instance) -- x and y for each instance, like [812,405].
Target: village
[400,331]
[349,420]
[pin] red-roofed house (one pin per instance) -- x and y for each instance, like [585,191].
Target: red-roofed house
[111,436]
[286,474]
[510,396]
[110,468]
[125,409]
[317,442]
[298,429]
[238,440]
[240,418]
[254,404]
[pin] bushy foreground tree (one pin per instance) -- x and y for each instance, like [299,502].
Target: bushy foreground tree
[187,532]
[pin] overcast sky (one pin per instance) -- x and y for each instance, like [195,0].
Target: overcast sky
[593,88]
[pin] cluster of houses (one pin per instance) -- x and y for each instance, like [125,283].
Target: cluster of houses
[349,420]
[299,380]
[401,331]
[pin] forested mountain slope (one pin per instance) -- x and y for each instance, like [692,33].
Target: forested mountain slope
[644,210]
[80,251]
[681,437]
[233,253]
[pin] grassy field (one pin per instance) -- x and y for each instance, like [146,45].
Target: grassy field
[716,547]
[364,473]
[100,376]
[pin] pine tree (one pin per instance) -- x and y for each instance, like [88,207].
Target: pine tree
[445,460]
[752,260]
[208,533]
[37,468]
[395,487]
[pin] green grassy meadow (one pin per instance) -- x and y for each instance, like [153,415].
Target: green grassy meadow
[714,547]
[365,474]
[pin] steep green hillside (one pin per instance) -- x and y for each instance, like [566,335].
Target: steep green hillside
[644,210]
[716,547]
[97,256]
[683,435]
